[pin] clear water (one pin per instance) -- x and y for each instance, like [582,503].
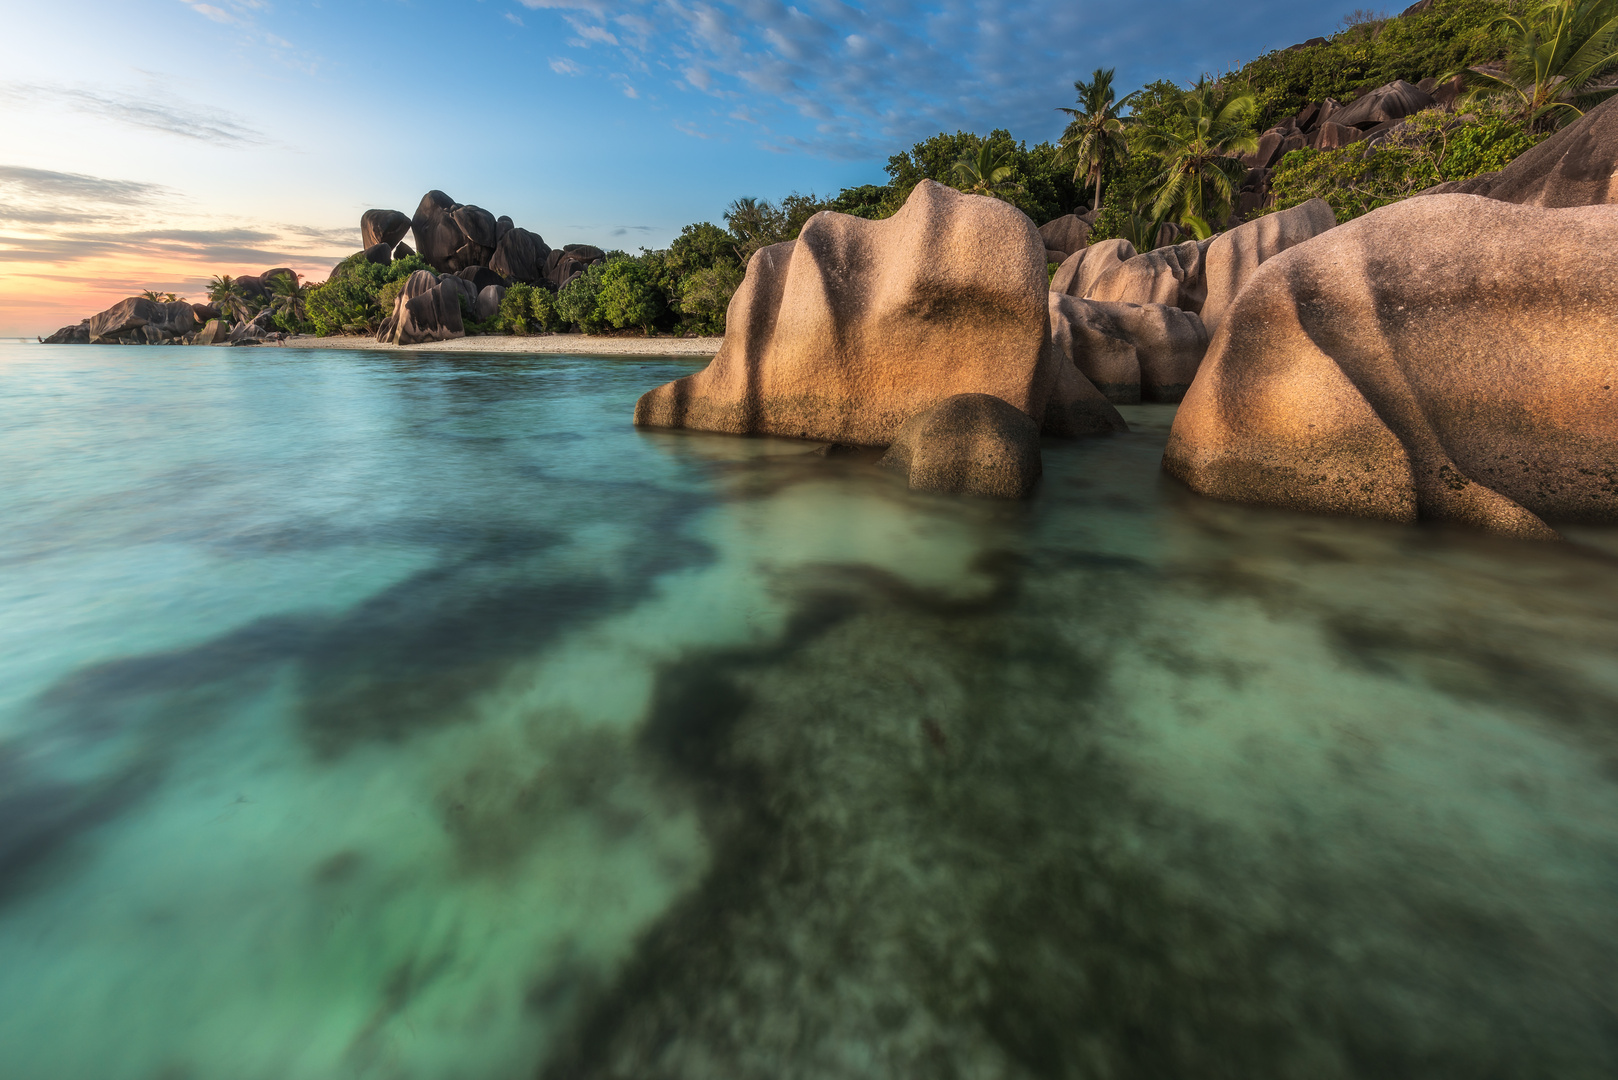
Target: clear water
[368,715]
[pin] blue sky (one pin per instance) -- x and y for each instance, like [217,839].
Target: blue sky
[155,142]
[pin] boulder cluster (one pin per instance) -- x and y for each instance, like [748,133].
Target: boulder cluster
[1453,357]
[1375,115]
[140,320]
[473,254]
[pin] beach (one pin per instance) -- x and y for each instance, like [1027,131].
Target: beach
[551,344]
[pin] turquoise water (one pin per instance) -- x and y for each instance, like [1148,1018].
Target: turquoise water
[415,716]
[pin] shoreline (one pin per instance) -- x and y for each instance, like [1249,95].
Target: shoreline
[547,344]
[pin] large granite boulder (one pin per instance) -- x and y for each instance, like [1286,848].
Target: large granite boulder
[856,326]
[1066,234]
[204,312]
[481,277]
[382,227]
[1083,269]
[478,224]
[1449,357]
[1129,352]
[211,332]
[381,254]
[254,330]
[488,302]
[521,256]
[461,287]
[437,235]
[968,444]
[1394,101]
[1235,255]
[77,334]
[1166,275]
[1577,166]
[123,317]
[428,309]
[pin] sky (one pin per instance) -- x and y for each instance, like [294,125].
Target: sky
[156,143]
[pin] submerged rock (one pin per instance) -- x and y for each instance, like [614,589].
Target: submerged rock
[846,333]
[968,444]
[1449,357]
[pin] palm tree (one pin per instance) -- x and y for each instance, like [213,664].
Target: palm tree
[1095,130]
[755,224]
[1199,146]
[229,297]
[287,298]
[985,173]
[1556,63]
[161,297]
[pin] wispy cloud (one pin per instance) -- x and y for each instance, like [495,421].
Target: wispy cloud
[839,80]
[563,66]
[44,182]
[210,125]
[513,18]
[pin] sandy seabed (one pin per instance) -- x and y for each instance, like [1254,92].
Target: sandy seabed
[569,344]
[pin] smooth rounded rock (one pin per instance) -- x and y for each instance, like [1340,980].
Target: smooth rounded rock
[969,444]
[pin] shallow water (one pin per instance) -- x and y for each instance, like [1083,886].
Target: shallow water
[368,715]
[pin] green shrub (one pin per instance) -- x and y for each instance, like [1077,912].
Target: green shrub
[542,310]
[1431,149]
[516,309]
[629,295]
[705,296]
[576,303]
[351,300]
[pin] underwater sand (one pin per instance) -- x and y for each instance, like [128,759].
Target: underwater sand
[412,715]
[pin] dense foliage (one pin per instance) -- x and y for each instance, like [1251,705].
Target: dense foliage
[351,300]
[1433,148]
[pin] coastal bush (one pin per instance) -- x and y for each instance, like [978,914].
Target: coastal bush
[516,309]
[629,295]
[705,296]
[350,300]
[1446,38]
[1430,149]
[576,304]
[1047,189]
[542,310]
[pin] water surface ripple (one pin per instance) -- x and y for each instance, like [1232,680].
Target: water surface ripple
[368,715]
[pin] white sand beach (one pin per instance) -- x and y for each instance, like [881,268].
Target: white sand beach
[570,344]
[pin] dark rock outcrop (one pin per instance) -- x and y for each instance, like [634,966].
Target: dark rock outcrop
[478,225]
[488,302]
[402,251]
[381,254]
[437,235]
[1394,101]
[382,227]
[1449,357]
[428,309]
[968,444]
[481,277]
[521,256]
[77,334]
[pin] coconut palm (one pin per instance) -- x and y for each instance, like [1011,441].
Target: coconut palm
[161,297]
[230,298]
[1095,130]
[287,298]
[985,172]
[1199,145]
[1559,63]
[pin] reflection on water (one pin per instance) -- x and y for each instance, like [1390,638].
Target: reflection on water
[368,716]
